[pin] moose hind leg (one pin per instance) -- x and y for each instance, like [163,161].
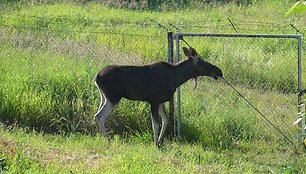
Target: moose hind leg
[102,98]
[100,116]
[165,120]
[155,123]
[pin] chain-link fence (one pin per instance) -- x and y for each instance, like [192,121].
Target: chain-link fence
[48,65]
[266,69]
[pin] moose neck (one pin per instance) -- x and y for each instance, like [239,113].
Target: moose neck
[182,72]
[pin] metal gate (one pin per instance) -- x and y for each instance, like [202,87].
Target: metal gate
[292,41]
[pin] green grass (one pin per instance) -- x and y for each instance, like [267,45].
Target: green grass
[42,153]
[36,91]
[48,63]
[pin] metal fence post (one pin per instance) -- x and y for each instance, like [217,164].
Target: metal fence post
[300,123]
[171,103]
[179,126]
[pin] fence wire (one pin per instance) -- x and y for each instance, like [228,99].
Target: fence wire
[48,66]
[264,70]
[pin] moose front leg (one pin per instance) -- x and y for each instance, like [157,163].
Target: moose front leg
[165,121]
[155,123]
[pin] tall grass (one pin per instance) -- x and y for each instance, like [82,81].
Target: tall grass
[42,83]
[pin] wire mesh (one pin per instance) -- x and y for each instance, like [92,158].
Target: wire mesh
[264,70]
[57,58]
[48,66]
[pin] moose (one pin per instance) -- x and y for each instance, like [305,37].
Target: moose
[154,83]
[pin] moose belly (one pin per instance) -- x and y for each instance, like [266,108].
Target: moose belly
[150,95]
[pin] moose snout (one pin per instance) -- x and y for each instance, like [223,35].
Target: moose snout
[217,74]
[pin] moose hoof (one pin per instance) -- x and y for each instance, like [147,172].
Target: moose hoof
[158,145]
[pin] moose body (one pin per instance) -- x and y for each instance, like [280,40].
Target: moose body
[141,83]
[154,83]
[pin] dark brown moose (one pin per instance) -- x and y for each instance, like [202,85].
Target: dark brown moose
[154,83]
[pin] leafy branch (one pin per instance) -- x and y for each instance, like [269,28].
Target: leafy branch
[298,7]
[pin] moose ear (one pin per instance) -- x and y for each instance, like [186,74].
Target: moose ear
[186,52]
[192,52]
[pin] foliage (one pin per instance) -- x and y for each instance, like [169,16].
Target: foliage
[298,7]
[154,5]
[169,4]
